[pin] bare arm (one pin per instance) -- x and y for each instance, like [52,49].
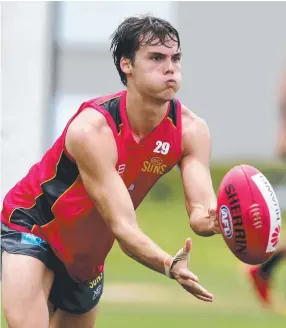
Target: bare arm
[90,141]
[199,193]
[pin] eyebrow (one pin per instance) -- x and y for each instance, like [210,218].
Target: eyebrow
[156,53]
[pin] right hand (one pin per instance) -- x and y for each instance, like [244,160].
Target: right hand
[187,279]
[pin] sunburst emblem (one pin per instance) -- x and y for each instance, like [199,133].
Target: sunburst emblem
[275,236]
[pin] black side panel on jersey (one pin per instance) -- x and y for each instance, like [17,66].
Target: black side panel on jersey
[41,212]
[112,106]
[173,112]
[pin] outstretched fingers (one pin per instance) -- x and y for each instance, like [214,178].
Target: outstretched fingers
[204,298]
[186,274]
[197,290]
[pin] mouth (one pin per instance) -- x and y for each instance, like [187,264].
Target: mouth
[171,83]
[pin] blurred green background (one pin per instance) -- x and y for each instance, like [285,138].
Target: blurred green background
[138,297]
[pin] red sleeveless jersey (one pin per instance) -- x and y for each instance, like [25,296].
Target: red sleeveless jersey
[51,201]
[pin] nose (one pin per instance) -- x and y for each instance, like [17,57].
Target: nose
[169,66]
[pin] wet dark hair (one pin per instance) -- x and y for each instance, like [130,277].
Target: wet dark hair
[137,31]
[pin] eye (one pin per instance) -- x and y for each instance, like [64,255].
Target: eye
[176,59]
[156,57]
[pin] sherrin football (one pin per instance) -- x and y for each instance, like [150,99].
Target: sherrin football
[249,214]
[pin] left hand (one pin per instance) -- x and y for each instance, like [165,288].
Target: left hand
[214,221]
[186,278]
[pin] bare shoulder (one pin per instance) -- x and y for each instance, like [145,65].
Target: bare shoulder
[89,130]
[88,121]
[195,130]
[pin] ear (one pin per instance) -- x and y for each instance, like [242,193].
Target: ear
[125,65]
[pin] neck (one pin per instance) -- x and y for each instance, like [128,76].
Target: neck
[144,113]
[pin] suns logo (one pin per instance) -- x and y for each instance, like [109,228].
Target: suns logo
[226,221]
[155,166]
[94,282]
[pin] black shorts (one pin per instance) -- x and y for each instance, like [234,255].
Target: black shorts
[66,294]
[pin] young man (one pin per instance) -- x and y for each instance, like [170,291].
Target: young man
[60,221]
[261,276]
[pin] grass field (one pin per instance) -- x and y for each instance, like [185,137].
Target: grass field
[137,297]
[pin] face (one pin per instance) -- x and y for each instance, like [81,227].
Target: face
[156,71]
